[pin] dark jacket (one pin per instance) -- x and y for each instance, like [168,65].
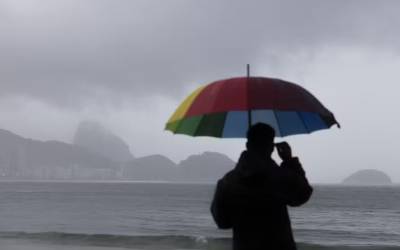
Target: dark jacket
[252,199]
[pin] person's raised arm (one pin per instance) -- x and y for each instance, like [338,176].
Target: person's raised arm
[299,190]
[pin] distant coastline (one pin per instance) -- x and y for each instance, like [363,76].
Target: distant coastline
[89,159]
[103,181]
[209,183]
[27,159]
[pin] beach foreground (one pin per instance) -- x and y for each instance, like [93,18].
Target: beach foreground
[103,242]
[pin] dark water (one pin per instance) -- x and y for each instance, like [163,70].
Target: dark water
[176,216]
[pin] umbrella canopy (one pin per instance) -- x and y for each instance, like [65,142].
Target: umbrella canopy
[227,108]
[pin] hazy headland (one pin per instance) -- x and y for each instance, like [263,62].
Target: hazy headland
[98,154]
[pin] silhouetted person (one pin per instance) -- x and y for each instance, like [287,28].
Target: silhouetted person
[252,199]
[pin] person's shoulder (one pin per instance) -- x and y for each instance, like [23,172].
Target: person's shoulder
[229,176]
[228,180]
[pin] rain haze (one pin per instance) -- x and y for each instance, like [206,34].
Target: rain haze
[129,64]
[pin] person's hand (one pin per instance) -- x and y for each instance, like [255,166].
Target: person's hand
[284,150]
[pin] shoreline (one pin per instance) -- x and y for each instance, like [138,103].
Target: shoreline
[176,182]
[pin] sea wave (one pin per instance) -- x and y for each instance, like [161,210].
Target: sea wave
[156,242]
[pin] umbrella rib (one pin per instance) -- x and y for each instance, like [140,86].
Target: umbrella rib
[277,122]
[198,125]
[302,120]
[178,127]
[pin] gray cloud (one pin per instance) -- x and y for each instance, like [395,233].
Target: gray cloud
[65,52]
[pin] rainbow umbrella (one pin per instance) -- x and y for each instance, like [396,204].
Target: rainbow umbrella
[226,108]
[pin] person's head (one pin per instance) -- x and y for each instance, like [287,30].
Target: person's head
[260,138]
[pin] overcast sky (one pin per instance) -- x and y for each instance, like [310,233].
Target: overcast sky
[128,64]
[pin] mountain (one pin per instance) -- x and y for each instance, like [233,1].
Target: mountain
[368,177]
[32,159]
[97,139]
[152,168]
[22,158]
[206,167]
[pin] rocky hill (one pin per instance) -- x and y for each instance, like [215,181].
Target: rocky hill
[99,140]
[368,177]
[152,168]
[206,167]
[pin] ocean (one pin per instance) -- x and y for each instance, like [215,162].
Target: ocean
[157,216]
